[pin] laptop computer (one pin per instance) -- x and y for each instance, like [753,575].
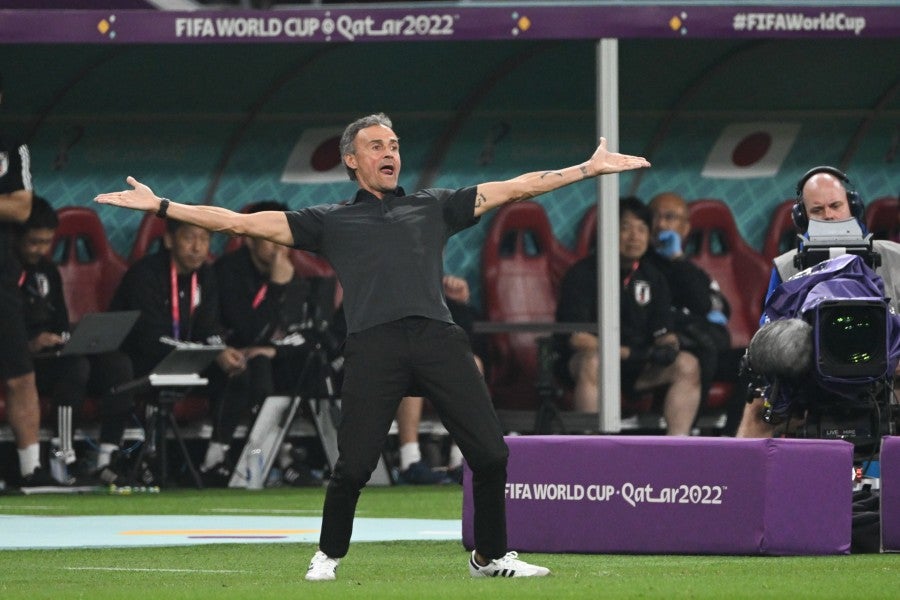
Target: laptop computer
[183,365]
[96,333]
[179,368]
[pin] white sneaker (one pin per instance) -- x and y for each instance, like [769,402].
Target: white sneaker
[506,566]
[321,567]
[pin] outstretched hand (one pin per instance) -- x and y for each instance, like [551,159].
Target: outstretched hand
[603,161]
[140,197]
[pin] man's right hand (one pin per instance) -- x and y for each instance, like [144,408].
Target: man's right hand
[44,340]
[139,198]
[231,360]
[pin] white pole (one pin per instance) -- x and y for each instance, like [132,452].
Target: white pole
[608,240]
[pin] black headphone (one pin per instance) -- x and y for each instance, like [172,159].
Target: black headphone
[798,212]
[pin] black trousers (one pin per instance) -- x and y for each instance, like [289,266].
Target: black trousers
[69,378]
[237,396]
[415,356]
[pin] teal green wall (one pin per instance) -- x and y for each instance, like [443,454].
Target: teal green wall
[183,117]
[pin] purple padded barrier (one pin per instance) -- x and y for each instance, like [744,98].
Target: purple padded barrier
[646,494]
[890,494]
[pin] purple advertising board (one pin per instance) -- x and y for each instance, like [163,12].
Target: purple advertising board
[691,495]
[395,23]
[890,493]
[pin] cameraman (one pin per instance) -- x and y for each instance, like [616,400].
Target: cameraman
[649,351]
[822,195]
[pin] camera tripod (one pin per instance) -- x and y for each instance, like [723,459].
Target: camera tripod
[316,389]
[155,438]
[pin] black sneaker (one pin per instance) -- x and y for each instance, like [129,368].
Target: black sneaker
[419,473]
[217,476]
[102,476]
[300,475]
[40,477]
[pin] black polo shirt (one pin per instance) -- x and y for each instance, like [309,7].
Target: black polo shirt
[388,253]
[15,175]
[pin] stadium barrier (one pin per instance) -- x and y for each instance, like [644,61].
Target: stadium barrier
[662,495]
[890,494]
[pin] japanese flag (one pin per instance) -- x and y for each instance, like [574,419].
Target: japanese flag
[748,150]
[316,158]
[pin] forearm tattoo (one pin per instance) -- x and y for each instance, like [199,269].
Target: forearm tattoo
[545,173]
[584,171]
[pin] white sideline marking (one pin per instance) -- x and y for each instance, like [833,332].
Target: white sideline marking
[150,570]
[114,531]
[311,511]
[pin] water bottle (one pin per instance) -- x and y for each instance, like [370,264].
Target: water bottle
[59,470]
[255,468]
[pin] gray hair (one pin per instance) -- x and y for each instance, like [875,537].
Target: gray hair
[348,138]
[782,348]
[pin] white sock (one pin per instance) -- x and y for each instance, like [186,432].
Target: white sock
[215,454]
[409,454]
[104,454]
[284,455]
[29,459]
[456,457]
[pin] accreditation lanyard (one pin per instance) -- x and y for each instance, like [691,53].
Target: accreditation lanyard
[176,305]
[627,280]
[260,295]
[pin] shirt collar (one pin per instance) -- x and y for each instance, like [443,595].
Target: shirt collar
[366,196]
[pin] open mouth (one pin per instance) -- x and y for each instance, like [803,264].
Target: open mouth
[387,169]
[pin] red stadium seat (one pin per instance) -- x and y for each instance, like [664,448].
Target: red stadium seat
[883,218]
[781,235]
[236,241]
[89,267]
[307,264]
[742,272]
[518,287]
[148,238]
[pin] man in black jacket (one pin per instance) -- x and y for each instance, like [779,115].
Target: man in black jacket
[262,305]
[265,310]
[650,351]
[177,293]
[699,309]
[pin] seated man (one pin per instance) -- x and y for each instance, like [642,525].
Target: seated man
[176,291]
[650,353]
[67,378]
[823,195]
[263,306]
[699,309]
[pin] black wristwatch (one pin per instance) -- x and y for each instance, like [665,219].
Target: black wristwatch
[163,207]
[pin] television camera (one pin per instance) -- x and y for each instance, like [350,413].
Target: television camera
[826,356]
